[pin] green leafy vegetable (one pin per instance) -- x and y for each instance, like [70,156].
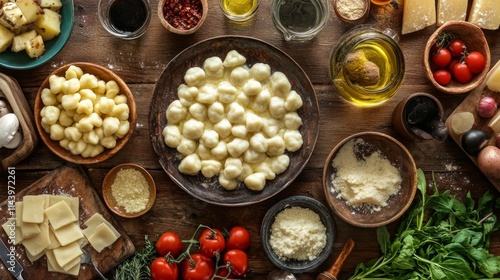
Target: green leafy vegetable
[439,237]
[137,267]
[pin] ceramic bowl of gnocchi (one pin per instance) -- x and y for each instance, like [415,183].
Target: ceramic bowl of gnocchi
[44,34]
[84,113]
[233,120]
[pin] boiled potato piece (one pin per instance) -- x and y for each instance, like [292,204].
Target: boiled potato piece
[35,47]
[6,38]
[48,25]
[30,9]
[19,43]
[11,16]
[54,5]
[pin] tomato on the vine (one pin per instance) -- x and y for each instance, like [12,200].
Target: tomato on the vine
[198,267]
[442,77]
[161,269]
[441,57]
[238,260]
[475,61]
[457,47]
[169,242]
[211,242]
[462,73]
[239,238]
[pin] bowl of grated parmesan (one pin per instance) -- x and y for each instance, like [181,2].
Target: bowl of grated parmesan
[129,190]
[369,179]
[297,234]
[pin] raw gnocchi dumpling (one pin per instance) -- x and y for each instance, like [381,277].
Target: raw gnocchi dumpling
[293,140]
[191,164]
[256,181]
[195,76]
[213,67]
[210,168]
[234,59]
[172,136]
[260,72]
[193,129]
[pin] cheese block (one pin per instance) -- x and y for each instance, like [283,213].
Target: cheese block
[417,15]
[60,215]
[494,123]
[485,14]
[451,10]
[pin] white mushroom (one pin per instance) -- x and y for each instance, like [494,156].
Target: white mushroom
[8,128]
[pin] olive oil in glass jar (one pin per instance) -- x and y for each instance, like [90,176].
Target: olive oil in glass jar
[239,10]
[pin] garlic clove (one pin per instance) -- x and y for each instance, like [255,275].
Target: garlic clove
[8,127]
[4,109]
[15,141]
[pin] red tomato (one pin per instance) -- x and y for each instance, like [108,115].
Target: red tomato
[169,242]
[198,267]
[442,77]
[462,73]
[453,62]
[475,61]
[238,260]
[457,47]
[211,242]
[442,57]
[239,238]
[223,272]
[161,269]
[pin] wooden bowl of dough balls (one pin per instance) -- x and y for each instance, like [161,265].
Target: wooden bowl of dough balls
[84,113]
[369,179]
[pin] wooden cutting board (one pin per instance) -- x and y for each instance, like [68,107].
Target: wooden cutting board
[69,180]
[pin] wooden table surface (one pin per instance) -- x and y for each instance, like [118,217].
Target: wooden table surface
[140,63]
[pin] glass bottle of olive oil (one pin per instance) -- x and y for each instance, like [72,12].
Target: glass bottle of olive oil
[239,10]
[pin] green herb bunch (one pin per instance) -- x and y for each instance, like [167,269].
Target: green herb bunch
[439,237]
[137,267]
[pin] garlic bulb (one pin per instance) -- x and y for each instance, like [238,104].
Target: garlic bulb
[4,108]
[8,128]
[16,140]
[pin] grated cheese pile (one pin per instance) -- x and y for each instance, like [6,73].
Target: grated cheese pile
[130,190]
[367,182]
[297,233]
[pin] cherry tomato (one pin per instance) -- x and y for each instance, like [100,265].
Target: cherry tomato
[457,47]
[238,260]
[453,62]
[442,77]
[462,73]
[239,238]
[198,267]
[169,242]
[475,61]
[442,57]
[211,241]
[223,272]
[161,269]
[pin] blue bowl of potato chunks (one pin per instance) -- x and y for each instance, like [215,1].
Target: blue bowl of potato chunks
[50,23]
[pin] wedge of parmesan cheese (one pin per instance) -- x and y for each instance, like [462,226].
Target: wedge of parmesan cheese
[485,14]
[451,10]
[493,81]
[417,15]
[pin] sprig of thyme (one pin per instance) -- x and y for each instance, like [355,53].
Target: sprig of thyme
[137,267]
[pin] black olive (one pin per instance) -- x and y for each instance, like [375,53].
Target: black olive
[474,140]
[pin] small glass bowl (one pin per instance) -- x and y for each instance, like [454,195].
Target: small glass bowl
[326,217]
[239,16]
[288,10]
[104,18]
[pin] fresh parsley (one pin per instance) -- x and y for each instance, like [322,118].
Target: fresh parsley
[439,237]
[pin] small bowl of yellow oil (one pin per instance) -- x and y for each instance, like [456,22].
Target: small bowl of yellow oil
[239,10]
[367,66]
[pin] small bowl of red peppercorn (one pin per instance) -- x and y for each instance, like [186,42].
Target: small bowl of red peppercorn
[182,16]
[457,57]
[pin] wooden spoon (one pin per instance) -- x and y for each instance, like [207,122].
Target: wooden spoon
[334,270]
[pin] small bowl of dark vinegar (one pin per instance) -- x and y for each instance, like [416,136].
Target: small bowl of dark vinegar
[126,19]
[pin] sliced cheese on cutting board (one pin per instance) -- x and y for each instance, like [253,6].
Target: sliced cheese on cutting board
[485,14]
[417,15]
[451,10]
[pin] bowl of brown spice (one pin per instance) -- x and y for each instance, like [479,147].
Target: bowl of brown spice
[129,190]
[369,179]
[182,16]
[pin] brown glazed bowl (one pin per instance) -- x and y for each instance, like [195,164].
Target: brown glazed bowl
[103,74]
[255,51]
[474,39]
[173,29]
[397,204]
